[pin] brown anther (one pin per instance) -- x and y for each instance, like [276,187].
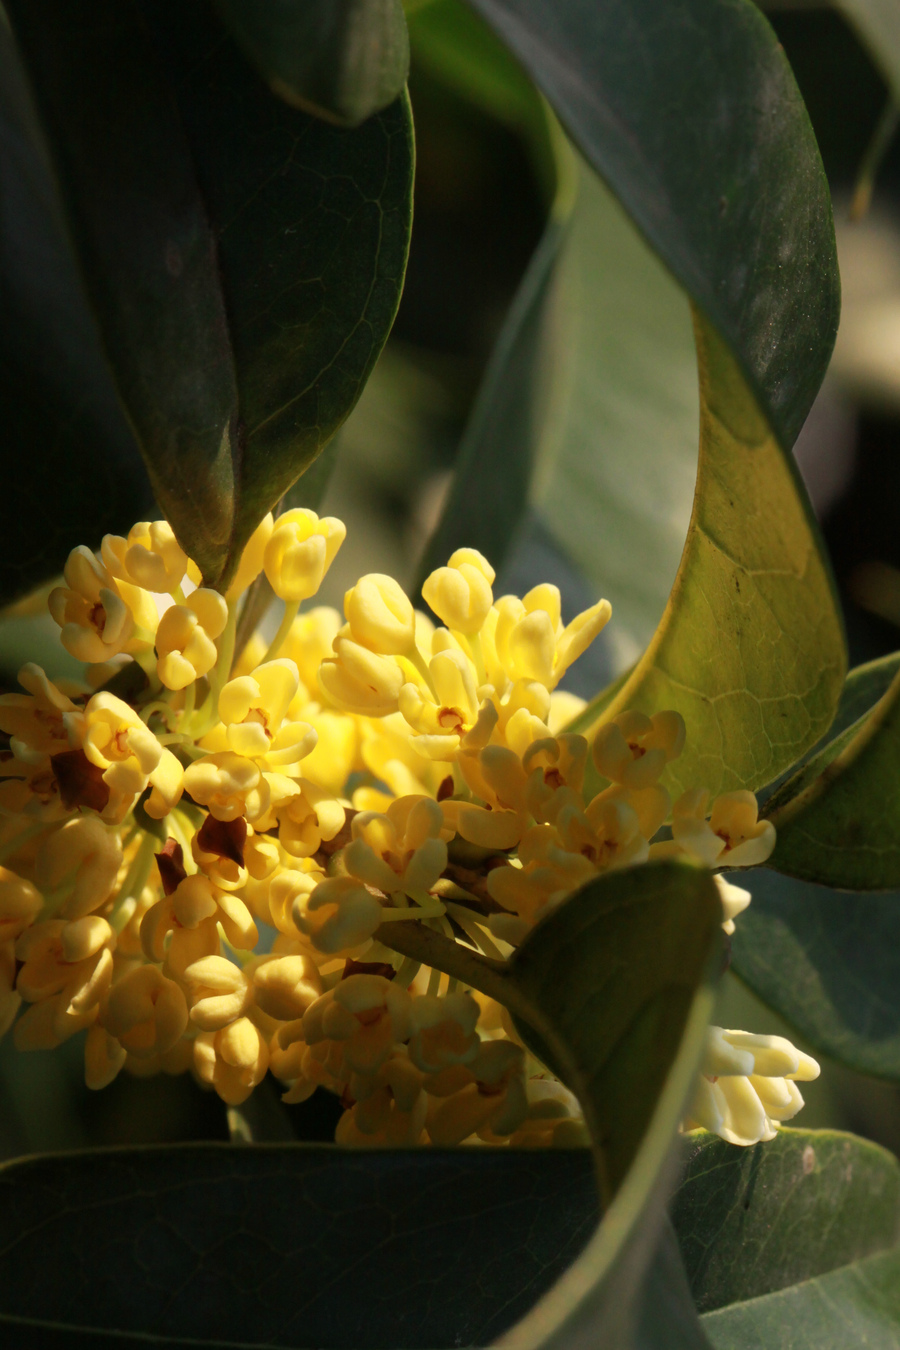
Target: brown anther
[44,786]
[97,618]
[381,968]
[224,838]
[588,851]
[369,1016]
[490,1089]
[446,788]
[451,719]
[553,778]
[170,862]
[80,782]
[637,751]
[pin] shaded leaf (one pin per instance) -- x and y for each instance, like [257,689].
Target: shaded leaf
[750,649]
[667,1316]
[218,1243]
[858,1305]
[343,61]
[244,260]
[837,818]
[62,424]
[609,1003]
[829,964]
[617,983]
[745,226]
[753,1220]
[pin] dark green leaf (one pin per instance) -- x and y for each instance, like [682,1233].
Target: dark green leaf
[244,260]
[745,225]
[858,1305]
[829,964]
[754,1220]
[750,649]
[291,1245]
[667,1316]
[72,469]
[343,60]
[837,818]
[615,981]
[609,1003]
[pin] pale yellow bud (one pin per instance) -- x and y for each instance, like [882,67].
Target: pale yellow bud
[380,615]
[232,1061]
[286,986]
[20,904]
[85,853]
[185,638]
[300,551]
[219,991]
[460,594]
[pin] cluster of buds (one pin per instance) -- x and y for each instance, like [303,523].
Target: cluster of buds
[205,848]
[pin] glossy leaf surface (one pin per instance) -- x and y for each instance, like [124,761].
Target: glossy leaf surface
[837,819]
[244,260]
[62,425]
[753,1220]
[343,61]
[750,649]
[829,963]
[743,223]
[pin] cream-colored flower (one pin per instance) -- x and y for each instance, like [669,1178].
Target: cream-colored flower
[734,836]
[233,1060]
[747,1085]
[634,749]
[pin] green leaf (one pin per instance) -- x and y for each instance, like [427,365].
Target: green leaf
[342,61]
[754,1220]
[745,226]
[837,818]
[73,471]
[750,649]
[858,1305]
[290,1245]
[610,1002]
[244,260]
[616,986]
[829,964]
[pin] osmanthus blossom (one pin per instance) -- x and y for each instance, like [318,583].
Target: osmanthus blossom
[201,843]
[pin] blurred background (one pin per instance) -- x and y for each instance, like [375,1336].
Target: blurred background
[610,392]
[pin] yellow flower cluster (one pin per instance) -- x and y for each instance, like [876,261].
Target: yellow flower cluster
[206,845]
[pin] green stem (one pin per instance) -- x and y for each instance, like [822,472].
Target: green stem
[416,659]
[423,944]
[290,613]
[885,130]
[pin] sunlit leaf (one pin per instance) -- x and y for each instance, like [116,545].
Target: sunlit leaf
[344,60]
[750,648]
